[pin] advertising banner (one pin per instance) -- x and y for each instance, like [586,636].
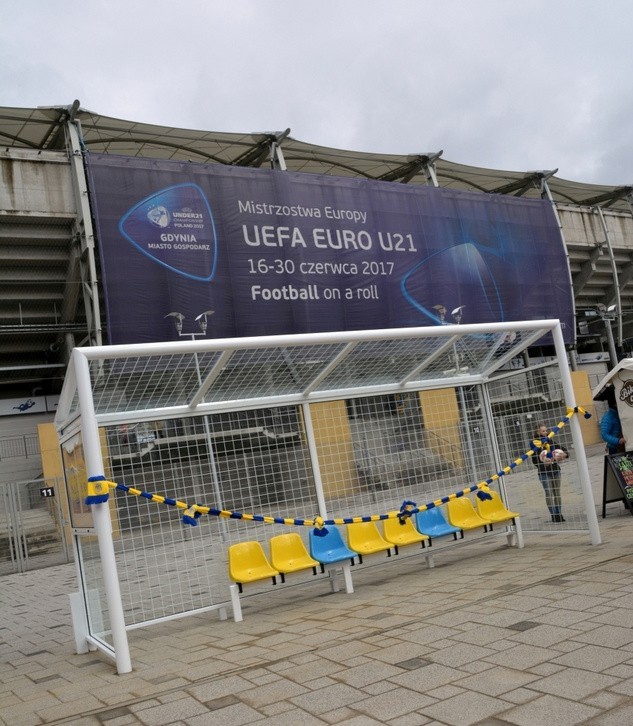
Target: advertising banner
[265,252]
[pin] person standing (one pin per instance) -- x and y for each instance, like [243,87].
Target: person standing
[549,471]
[611,426]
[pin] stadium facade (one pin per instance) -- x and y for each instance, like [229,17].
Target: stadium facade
[52,296]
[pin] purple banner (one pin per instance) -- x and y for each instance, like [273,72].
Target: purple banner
[273,252]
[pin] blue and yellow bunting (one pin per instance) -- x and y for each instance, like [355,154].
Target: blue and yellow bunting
[98,488]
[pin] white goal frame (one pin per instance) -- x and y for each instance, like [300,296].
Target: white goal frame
[109,387]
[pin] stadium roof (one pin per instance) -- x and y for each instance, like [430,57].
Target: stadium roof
[40,271]
[42,128]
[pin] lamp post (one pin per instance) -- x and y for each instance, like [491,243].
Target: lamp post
[607,314]
[202,321]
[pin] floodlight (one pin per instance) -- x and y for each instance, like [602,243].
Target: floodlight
[202,319]
[178,318]
[441,312]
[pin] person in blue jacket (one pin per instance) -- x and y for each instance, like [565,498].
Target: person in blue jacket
[549,471]
[611,426]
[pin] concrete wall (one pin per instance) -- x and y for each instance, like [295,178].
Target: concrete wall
[20,468]
[35,183]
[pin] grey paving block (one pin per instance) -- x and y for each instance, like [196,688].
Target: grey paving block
[465,709]
[497,681]
[549,710]
[328,698]
[573,683]
[593,658]
[426,678]
[394,704]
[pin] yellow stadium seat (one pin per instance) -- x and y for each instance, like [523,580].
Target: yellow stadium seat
[289,554]
[495,510]
[462,514]
[248,563]
[365,539]
[402,534]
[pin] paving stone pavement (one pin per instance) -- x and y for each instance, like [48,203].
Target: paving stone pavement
[492,635]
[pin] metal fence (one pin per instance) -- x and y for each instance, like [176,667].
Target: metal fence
[19,447]
[33,525]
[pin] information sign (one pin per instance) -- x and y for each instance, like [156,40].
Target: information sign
[618,480]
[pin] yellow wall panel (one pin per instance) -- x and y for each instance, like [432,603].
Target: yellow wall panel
[441,422]
[333,440]
[590,427]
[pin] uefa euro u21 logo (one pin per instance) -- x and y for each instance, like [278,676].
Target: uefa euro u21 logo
[175,228]
[159,216]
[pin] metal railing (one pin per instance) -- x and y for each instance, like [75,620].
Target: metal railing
[19,447]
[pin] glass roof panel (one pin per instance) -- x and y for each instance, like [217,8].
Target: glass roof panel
[238,372]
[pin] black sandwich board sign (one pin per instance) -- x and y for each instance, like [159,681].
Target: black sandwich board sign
[617,483]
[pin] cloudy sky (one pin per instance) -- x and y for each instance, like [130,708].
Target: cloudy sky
[505,84]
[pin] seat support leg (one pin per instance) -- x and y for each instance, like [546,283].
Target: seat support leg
[515,536]
[332,575]
[235,603]
[347,579]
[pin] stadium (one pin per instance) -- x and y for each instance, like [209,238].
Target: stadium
[214,250]
[52,297]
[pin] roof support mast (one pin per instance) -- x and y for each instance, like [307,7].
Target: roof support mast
[546,193]
[428,167]
[84,230]
[616,284]
[277,160]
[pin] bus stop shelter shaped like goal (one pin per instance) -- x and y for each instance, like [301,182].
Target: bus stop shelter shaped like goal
[203,381]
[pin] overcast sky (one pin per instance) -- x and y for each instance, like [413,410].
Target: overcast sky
[504,84]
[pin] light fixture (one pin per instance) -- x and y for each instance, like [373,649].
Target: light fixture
[441,312]
[457,314]
[178,318]
[202,319]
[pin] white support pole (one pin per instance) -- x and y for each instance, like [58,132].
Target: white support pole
[579,446]
[222,527]
[78,618]
[314,459]
[101,515]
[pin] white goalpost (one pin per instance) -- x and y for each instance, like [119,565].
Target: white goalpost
[174,451]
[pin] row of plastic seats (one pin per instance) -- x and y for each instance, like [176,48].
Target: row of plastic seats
[364,538]
[248,561]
